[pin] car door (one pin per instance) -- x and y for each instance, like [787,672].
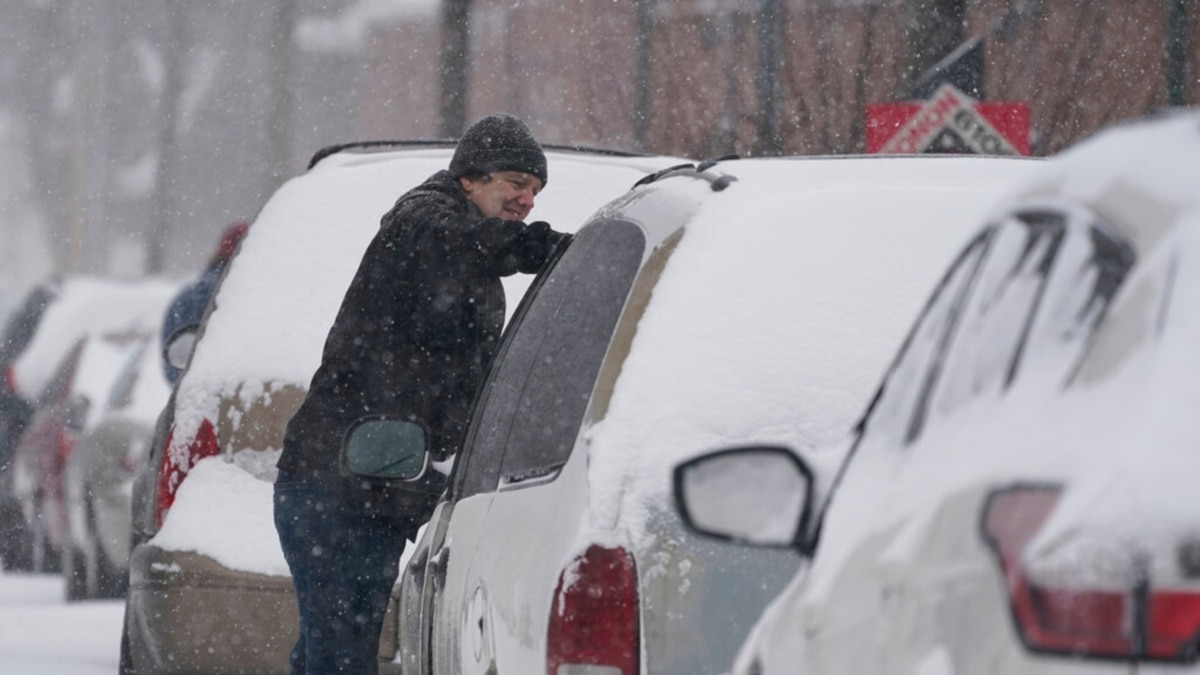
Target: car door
[523,431]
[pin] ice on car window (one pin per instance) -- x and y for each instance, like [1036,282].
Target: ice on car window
[997,312]
[1088,271]
[897,412]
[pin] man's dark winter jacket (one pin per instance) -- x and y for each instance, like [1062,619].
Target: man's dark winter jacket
[416,331]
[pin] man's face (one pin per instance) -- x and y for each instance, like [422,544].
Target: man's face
[503,194]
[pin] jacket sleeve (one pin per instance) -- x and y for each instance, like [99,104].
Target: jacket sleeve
[490,246]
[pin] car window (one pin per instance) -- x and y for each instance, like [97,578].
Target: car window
[1031,289]
[982,354]
[532,407]
[1091,265]
[891,415]
[1031,316]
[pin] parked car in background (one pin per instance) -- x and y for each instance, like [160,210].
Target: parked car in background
[1021,495]
[15,412]
[67,404]
[99,473]
[709,305]
[209,588]
[64,374]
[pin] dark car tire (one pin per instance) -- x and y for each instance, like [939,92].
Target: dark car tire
[75,573]
[125,666]
[16,548]
[110,581]
[45,559]
[17,557]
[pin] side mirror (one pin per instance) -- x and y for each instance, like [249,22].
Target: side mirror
[179,346]
[754,495]
[384,447]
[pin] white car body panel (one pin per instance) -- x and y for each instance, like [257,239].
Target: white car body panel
[903,579]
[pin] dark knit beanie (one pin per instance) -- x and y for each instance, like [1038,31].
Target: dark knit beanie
[498,142]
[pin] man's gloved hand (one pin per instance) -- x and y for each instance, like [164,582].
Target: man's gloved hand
[535,245]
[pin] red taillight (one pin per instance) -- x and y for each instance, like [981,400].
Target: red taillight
[1137,623]
[10,378]
[1173,625]
[175,465]
[594,617]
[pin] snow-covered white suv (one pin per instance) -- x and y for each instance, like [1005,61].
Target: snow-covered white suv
[1021,497]
[707,306]
[209,590]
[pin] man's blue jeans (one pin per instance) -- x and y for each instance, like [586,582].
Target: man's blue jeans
[344,560]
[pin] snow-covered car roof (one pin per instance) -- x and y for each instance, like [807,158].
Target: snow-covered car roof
[767,271]
[88,306]
[768,323]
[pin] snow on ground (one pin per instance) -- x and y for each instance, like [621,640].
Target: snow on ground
[41,634]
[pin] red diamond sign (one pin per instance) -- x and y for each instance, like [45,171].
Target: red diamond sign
[949,122]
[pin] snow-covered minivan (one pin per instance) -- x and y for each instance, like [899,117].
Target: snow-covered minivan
[712,304]
[1021,497]
[209,590]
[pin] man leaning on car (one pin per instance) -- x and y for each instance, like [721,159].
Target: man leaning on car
[415,334]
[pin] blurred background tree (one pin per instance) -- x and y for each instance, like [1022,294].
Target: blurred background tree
[133,131]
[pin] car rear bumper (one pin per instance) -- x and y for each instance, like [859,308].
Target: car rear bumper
[186,613]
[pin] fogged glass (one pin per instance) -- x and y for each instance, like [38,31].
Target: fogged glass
[756,496]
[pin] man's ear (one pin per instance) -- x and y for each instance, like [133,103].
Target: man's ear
[469,183]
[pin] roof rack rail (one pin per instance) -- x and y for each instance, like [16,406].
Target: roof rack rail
[717,182]
[662,173]
[376,145]
[449,143]
[713,161]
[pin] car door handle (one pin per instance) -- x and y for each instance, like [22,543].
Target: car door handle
[529,478]
[437,564]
